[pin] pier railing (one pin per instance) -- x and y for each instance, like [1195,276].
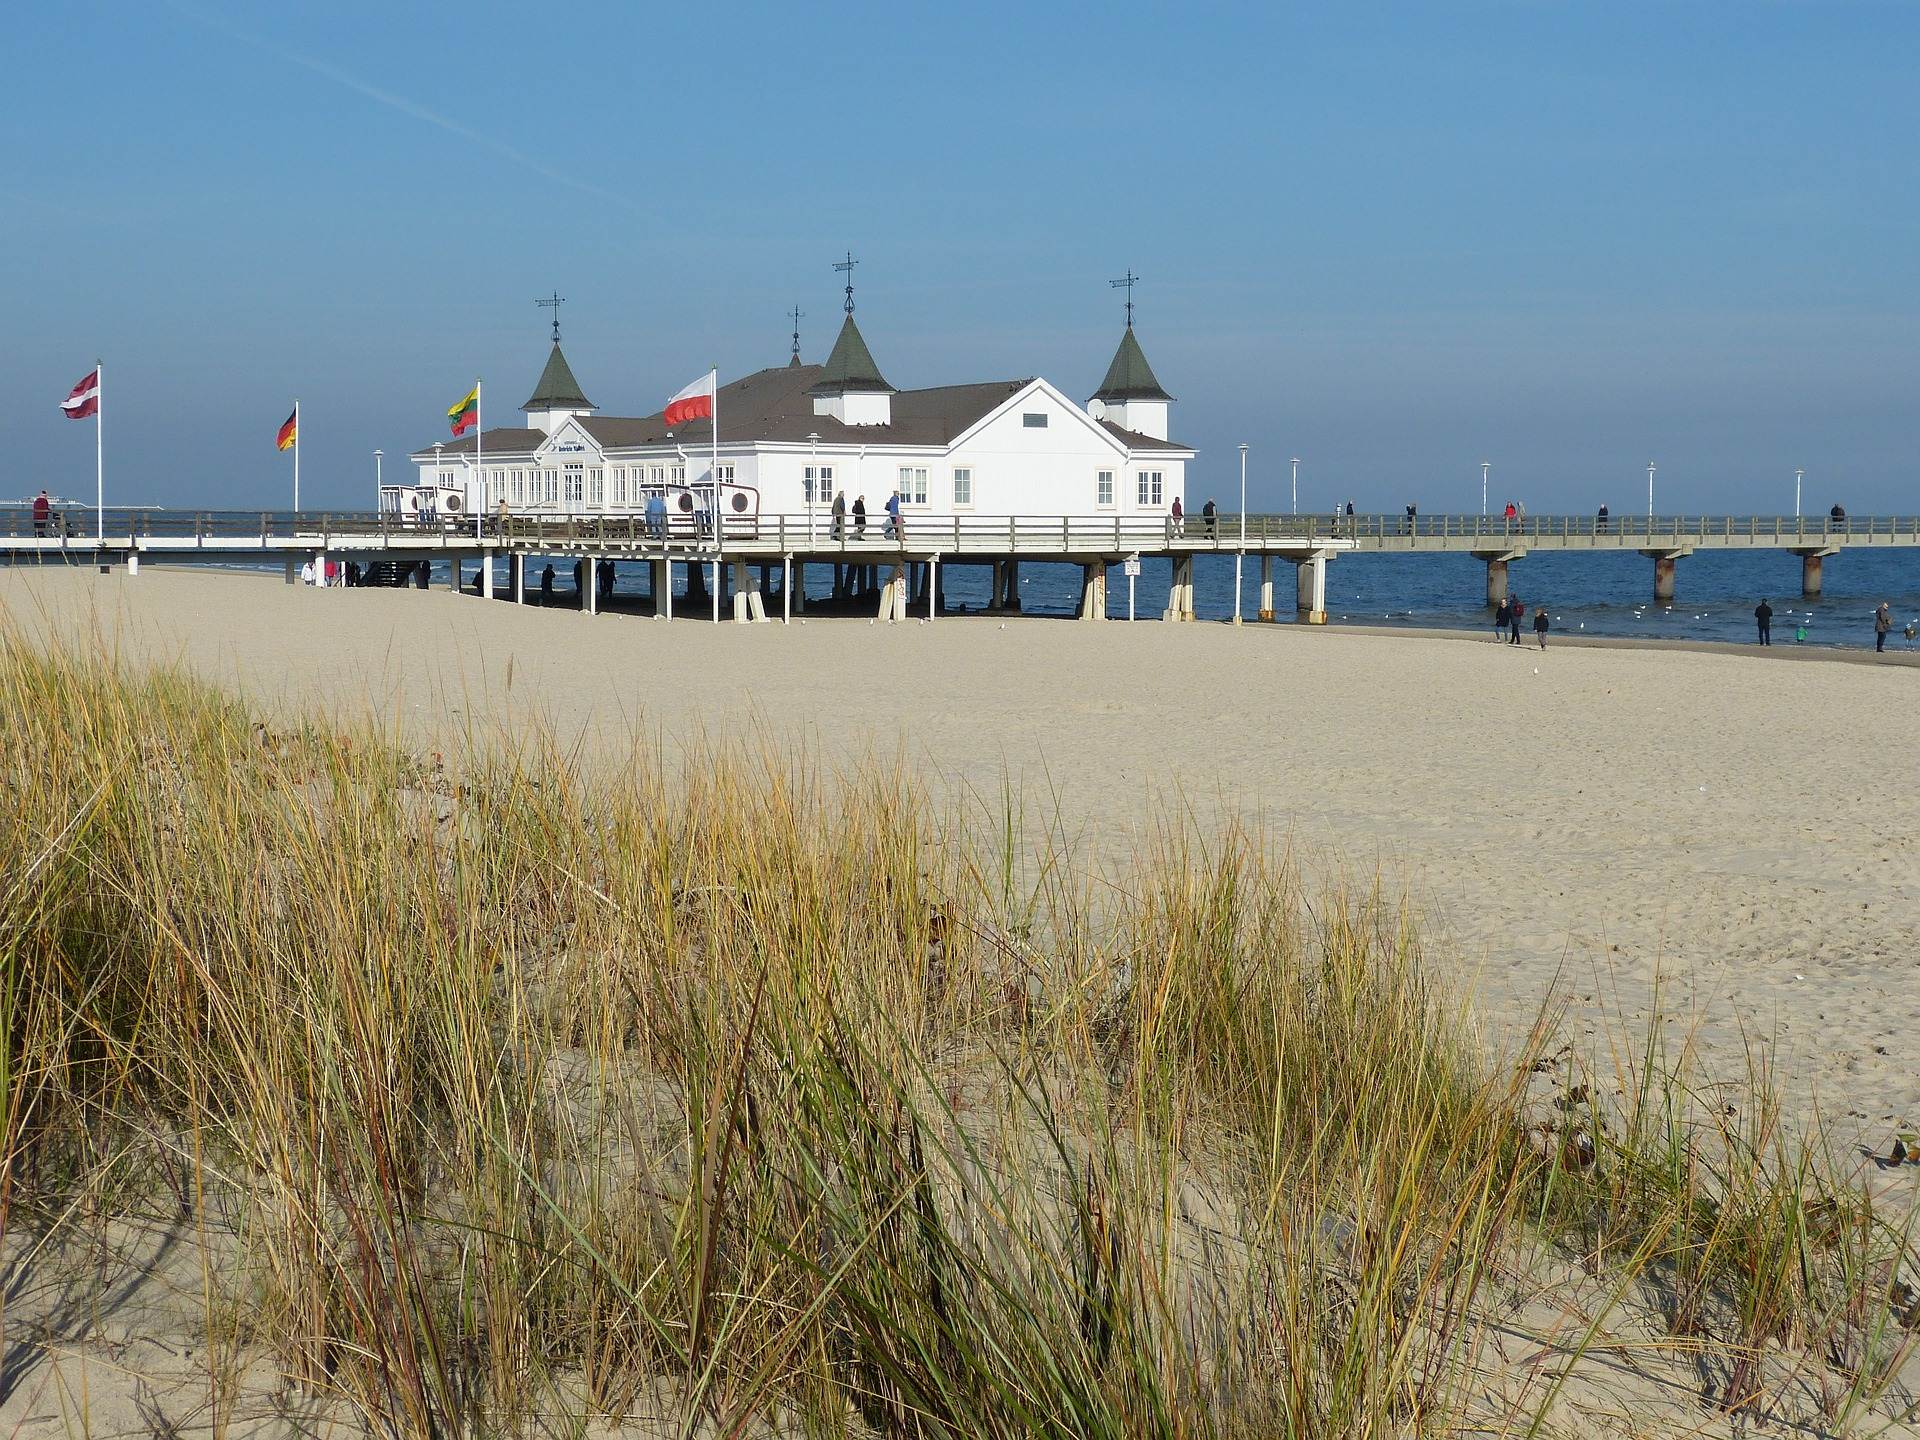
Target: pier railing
[978,534]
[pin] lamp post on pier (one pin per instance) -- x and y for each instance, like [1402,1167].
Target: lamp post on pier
[1649,495]
[1485,466]
[1240,555]
[376,470]
[1296,485]
[1797,474]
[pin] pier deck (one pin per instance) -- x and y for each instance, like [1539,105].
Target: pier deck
[1094,543]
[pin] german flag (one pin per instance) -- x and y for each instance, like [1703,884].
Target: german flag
[289,432]
[465,414]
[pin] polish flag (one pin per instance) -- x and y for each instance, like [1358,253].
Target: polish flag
[85,399]
[693,403]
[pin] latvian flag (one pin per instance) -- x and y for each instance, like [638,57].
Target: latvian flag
[463,415]
[85,399]
[693,403]
[289,433]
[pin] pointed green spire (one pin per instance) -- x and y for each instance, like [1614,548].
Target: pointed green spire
[1129,377]
[850,366]
[558,390]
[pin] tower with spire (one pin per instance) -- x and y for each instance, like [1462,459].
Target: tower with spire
[556,396]
[851,388]
[1131,396]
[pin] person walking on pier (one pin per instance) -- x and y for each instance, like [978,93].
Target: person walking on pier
[1514,616]
[1763,617]
[1882,623]
[1540,626]
[1179,516]
[1600,520]
[42,508]
[657,515]
[1502,617]
[1208,514]
[895,530]
[839,514]
[859,517]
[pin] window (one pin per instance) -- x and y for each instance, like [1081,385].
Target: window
[553,487]
[817,484]
[576,484]
[597,486]
[725,474]
[963,487]
[1034,420]
[1103,488]
[680,474]
[620,485]
[913,484]
[1150,490]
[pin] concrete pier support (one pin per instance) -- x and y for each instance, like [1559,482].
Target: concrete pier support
[893,595]
[1811,567]
[1311,590]
[486,573]
[798,585]
[589,572]
[933,588]
[660,573]
[293,571]
[1496,582]
[1180,592]
[517,572]
[1266,587]
[1664,567]
[1093,591]
[1010,597]
[749,605]
[453,572]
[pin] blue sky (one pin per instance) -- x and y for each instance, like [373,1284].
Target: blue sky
[1391,239]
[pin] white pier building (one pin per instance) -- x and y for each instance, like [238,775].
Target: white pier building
[793,437]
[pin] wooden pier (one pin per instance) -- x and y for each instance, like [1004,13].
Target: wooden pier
[893,563]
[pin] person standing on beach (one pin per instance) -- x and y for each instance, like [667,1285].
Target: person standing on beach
[546,586]
[839,514]
[1882,623]
[1502,617]
[1763,617]
[1540,626]
[1514,616]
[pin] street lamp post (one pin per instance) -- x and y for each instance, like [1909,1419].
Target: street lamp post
[1296,485]
[1240,555]
[1649,496]
[1797,474]
[377,455]
[1485,466]
[813,485]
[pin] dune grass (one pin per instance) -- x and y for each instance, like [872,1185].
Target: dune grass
[726,1092]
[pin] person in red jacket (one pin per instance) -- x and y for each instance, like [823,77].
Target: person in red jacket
[42,508]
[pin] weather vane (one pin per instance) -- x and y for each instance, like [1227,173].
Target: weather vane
[796,315]
[554,305]
[1127,284]
[847,269]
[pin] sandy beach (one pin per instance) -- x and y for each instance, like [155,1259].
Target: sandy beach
[1580,821]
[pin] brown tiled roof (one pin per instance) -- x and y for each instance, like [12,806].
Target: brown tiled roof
[507,440]
[775,405]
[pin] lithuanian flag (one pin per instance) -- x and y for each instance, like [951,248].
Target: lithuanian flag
[289,432]
[465,414]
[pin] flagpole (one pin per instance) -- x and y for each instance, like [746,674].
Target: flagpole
[479,457]
[99,456]
[296,457]
[717,522]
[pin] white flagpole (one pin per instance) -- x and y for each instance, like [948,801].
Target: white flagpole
[715,419]
[99,455]
[479,457]
[296,457]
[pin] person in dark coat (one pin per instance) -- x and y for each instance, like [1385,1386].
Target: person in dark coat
[859,517]
[1514,616]
[1502,617]
[1763,617]
[546,586]
[1540,626]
